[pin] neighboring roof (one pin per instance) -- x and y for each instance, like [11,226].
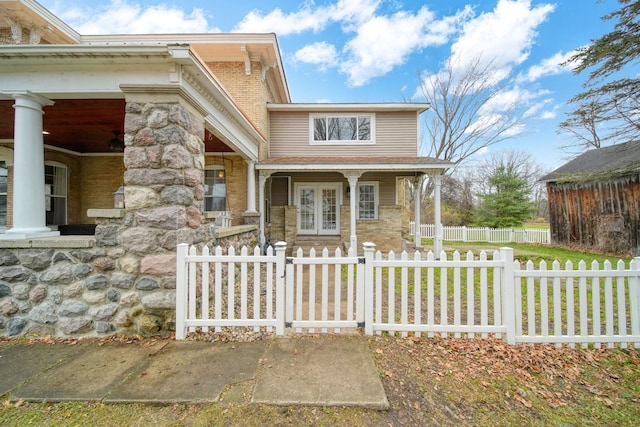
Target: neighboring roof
[398,164]
[600,163]
[30,14]
[336,107]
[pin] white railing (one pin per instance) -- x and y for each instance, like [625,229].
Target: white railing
[485,234]
[490,295]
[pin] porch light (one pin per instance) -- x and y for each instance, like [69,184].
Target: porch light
[116,145]
[118,198]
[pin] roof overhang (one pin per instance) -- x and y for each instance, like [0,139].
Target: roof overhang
[401,165]
[110,70]
[30,14]
[345,107]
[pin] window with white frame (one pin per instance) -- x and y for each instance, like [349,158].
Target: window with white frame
[367,200]
[215,189]
[342,128]
[55,191]
[3,194]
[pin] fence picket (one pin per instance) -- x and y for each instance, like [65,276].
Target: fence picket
[470,295]
[622,304]
[417,289]
[443,294]
[584,310]
[324,309]
[557,304]
[595,300]
[570,304]
[192,289]
[404,293]
[205,288]
[256,286]
[312,289]
[457,309]
[609,303]
[497,298]
[379,297]
[430,293]
[337,292]
[299,291]
[217,290]
[391,278]
[544,302]
[484,299]
[531,302]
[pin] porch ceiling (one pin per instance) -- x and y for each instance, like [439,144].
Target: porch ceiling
[84,126]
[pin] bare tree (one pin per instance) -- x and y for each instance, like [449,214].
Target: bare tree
[468,110]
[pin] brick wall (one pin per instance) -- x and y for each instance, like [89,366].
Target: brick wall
[100,177]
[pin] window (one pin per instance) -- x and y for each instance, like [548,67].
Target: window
[367,200]
[342,129]
[215,189]
[55,192]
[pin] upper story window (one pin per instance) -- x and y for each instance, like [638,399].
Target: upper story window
[342,128]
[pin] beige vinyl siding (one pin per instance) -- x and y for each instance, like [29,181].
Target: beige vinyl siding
[396,135]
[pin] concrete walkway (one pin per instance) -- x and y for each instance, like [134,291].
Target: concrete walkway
[323,371]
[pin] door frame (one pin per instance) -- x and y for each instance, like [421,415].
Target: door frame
[318,187]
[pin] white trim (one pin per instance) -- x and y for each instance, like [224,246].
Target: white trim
[59,165]
[352,107]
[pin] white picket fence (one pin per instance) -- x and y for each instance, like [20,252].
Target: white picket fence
[485,234]
[490,295]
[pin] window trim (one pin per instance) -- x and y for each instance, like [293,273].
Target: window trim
[372,130]
[64,197]
[376,202]
[226,192]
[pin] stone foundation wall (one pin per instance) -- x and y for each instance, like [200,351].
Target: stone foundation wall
[92,291]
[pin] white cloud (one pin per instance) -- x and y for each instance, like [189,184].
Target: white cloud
[124,17]
[503,36]
[305,19]
[384,42]
[321,53]
[549,66]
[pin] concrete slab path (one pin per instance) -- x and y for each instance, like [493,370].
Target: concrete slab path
[325,370]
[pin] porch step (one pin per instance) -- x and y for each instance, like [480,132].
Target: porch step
[318,243]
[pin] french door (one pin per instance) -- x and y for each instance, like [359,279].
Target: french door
[318,207]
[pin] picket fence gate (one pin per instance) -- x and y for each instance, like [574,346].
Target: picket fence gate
[485,234]
[488,296]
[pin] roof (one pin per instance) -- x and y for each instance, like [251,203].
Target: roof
[350,107]
[390,164]
[612,161]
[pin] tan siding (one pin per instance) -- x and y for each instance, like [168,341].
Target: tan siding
[396,135]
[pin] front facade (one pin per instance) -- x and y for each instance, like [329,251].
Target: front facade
[594,200]
[114,149]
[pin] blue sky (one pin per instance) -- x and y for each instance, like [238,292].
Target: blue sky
[374,50]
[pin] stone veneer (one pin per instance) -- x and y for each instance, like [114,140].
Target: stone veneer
[123,280]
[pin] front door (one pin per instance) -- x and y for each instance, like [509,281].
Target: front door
[318,208]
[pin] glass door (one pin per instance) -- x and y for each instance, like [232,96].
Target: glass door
[319,208]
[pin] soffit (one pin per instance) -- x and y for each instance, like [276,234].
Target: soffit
[31,14]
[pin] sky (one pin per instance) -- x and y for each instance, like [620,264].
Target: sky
[377,50]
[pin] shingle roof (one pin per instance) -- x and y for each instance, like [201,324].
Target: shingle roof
[614,160]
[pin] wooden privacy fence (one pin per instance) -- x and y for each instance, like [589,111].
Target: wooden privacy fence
[485,234]
[488,295]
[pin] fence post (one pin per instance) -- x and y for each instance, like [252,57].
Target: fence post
[281,248]
[369,248]
[508,295]
[181,290]
[634,293]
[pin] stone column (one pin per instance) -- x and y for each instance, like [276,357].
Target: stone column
[29,216]
[164,193]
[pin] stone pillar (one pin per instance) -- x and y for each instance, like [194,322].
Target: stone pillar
[164,193]
[29,216]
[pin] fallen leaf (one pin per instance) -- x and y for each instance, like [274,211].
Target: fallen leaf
[416,405]
[6,403]
[379,351]
[295,351]
[19,403]
[388,374]
[144,374]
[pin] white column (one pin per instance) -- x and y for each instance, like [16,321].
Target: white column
[29,219]
[417,196]
[251,186]
[353,188]
[437,241]
[262,182]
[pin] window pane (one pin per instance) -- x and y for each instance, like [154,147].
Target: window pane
[364,129]
[367,202]
[215,190]
[342,128]
[320,129]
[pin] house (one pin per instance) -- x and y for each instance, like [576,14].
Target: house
[594,200]
[115,148]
